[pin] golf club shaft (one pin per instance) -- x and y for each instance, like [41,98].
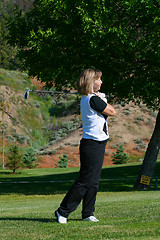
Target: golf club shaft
[55,92]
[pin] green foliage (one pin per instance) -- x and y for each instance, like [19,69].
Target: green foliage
[8,53]
[121,38]
[34,122]
[62,107]
[30,158]
[64,129]
[63,162]
[120,157]
[140,144]
[8,58]
[14,158]
[20,138]
[15,80]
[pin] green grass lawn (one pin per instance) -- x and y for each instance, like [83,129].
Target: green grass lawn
[27,209]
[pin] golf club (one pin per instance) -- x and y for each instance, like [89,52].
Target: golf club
[26,94]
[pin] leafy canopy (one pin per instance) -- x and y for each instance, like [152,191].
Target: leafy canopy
[59,38]
[8,58]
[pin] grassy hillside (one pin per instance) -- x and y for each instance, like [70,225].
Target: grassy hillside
[35,121]
[48,123]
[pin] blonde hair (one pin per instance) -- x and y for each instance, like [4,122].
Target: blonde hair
[86,80]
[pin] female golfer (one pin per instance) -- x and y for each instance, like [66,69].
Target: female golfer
[94,112]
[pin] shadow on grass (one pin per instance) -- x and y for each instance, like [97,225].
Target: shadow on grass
[44,220]
[113,179]
[9,173]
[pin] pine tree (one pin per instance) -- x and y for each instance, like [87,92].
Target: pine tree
[120,156]
[29,158]
[14,159]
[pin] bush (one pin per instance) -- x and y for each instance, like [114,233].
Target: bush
[120,157]
[20,138]
[29,158]
[63,162]
[10,138]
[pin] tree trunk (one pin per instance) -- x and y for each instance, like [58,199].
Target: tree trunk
[147,169]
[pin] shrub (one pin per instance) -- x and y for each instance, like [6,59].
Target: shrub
[36,104]
[139,119]
[126,112]
[29,158]
[46,152]
[137,140]
[20,138]
[63,162]
[10,138]
[120,157]
[140,143]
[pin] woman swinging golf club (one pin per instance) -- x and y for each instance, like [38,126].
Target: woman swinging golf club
[94,112]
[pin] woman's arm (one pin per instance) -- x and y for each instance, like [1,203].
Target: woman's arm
[101,106]
[109,110]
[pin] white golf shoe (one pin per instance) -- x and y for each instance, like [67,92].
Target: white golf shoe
[91,219]
[60,218]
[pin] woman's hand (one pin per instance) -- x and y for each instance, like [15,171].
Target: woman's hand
[98,94]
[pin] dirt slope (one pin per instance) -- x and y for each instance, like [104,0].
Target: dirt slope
[132,126]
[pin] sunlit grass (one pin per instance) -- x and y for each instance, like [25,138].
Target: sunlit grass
[122,215]
[27,209]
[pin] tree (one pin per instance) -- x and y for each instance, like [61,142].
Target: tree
[63,162]
[50,40]
[24,4]
[14,159]
[58,39]
[29,158]
[147,169]
[8,53]
[120,157]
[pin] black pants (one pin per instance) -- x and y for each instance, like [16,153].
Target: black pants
[86,186]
